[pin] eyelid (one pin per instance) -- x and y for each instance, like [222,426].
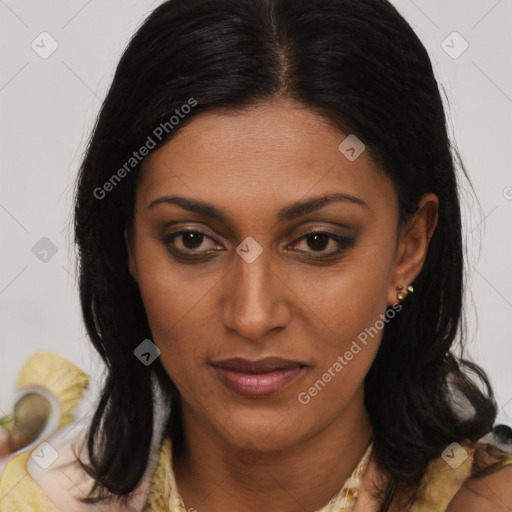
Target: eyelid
[182,231]
[343,243]
[346,231]
[308,230]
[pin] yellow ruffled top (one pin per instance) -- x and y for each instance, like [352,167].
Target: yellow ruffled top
[20,492]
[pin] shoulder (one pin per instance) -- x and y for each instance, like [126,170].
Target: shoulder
[491,492]
[448,485]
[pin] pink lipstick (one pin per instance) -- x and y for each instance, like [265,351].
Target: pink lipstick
[261,378]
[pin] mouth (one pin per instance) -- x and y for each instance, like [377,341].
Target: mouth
[261,378]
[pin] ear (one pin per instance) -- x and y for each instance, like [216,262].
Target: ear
[132,264]
[413,243]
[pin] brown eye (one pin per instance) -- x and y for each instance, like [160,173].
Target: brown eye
[192,240]
[319,241]
[189,241]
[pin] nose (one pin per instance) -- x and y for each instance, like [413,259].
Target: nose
[255,298]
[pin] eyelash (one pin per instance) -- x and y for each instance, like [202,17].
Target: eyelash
[344,243]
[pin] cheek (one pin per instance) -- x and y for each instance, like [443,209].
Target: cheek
[350,306]
[166,293]
[352,296]
[179,309]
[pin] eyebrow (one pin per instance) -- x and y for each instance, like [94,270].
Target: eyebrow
[287,213]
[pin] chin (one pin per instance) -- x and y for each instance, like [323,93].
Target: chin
[261,429]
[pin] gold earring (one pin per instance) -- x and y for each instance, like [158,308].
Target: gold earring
[401,294]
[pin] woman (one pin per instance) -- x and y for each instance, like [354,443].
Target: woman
[268,226]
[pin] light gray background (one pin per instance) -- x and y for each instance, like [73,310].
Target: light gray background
[48,107]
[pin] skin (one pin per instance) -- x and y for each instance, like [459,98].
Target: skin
[489,493]
[248,454]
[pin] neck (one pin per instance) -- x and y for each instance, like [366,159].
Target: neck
[213,475]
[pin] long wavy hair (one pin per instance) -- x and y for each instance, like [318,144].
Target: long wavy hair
[358,64]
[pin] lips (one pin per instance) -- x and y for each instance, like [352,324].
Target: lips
[261,378]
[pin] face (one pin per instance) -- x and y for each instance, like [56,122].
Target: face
[233,270]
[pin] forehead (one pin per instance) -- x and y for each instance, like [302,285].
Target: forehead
[270,154]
